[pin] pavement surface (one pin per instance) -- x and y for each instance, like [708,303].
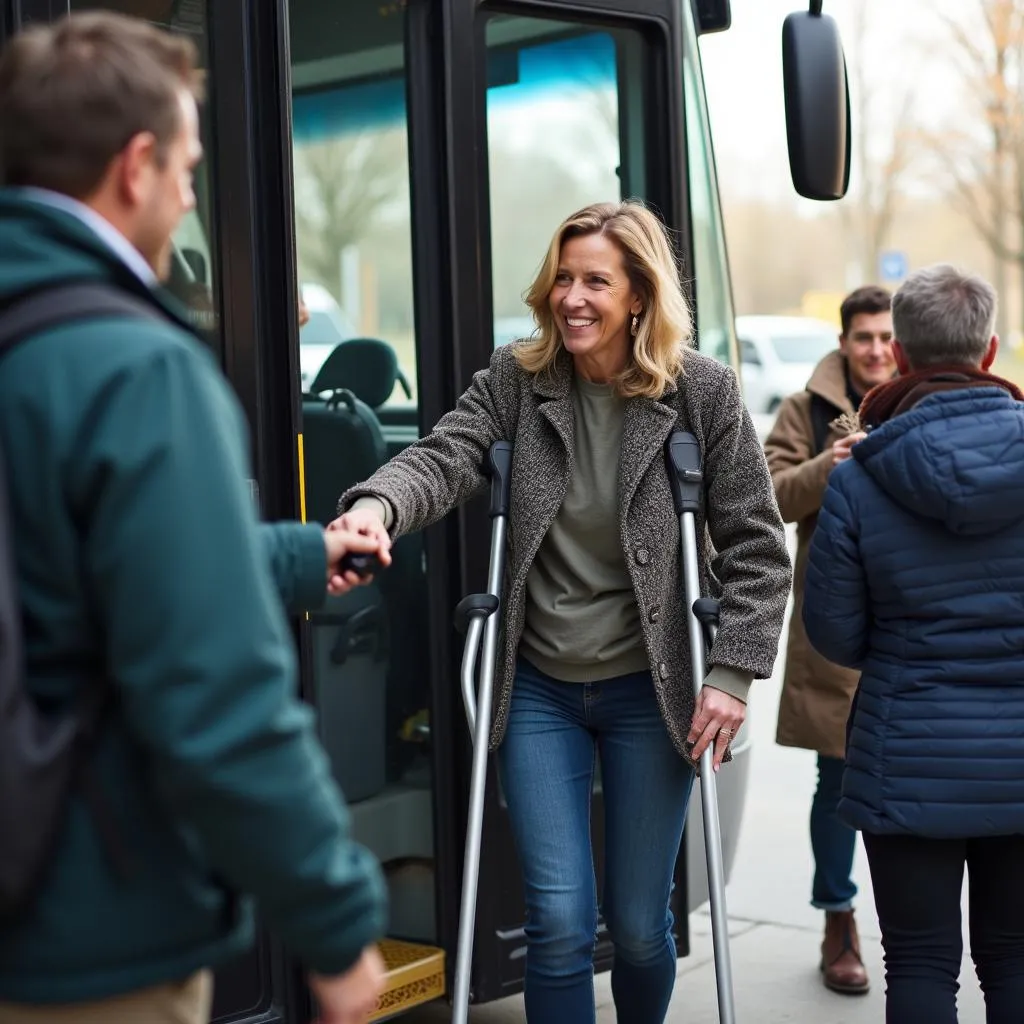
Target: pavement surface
[775,933]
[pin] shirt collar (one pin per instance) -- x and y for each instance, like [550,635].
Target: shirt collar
[100,226]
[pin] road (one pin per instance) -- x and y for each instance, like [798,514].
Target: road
[775,933]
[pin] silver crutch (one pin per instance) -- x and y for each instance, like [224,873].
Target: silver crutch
[687,480]
[479,615]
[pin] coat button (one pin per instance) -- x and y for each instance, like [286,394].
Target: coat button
[642,555]
[663,670]
[654,614]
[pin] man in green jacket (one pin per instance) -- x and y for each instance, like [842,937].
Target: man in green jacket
[139,557]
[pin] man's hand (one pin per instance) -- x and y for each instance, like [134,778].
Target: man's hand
[841,449]
[351,997]
[341,542]
[716,719]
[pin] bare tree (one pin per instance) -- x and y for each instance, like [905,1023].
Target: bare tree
[343,187]
[879,172]
[981,166]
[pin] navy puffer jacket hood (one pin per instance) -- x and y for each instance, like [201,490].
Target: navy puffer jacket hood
[954,459]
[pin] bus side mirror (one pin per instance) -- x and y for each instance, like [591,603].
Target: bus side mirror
[817,104]
[712,15]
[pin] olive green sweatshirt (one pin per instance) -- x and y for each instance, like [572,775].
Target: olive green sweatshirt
[582,621]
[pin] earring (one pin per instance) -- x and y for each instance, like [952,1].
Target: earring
[636,325]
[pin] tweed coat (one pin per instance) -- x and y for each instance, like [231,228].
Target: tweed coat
[816,693]
[748,566]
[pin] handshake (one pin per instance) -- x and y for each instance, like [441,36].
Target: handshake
[355,533]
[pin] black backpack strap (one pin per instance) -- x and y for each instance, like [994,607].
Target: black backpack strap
[55,305]
[823,412]
[26,317]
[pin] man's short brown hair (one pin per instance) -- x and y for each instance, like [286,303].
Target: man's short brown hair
[73,94]
[869,299]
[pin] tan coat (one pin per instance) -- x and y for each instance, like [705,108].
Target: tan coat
[748,566]
[816,694]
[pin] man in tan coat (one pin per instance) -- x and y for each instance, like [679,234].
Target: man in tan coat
[802,448]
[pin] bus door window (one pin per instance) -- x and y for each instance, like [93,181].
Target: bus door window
[358,366]
[715,324]
[555,142]
[194,272]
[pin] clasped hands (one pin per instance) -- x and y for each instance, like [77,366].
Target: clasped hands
[360,532]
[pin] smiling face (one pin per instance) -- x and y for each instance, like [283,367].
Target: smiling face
[593,303]
[867,346]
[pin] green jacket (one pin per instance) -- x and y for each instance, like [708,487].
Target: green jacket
[139,554]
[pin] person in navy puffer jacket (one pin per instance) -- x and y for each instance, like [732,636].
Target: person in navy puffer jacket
[916,578]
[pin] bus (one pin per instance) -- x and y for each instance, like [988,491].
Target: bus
[382,178]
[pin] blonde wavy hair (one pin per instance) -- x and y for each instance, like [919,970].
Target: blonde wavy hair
[665,327]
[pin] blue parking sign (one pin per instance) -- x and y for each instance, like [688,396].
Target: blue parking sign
[893,266]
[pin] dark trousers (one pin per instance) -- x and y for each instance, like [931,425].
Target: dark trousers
[917,885]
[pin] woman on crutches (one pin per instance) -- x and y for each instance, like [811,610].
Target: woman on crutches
[596,658]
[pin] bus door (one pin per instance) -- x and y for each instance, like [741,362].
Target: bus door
[564,104]
[436,146]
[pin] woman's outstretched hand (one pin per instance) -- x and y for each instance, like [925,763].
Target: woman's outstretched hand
[716,720]
[357,531]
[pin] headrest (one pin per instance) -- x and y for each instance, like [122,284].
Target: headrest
[367,367]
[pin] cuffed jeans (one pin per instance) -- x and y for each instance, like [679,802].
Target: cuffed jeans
[833,842]
[918,884]
[556,731]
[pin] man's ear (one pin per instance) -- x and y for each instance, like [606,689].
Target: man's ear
[133,167]
[902,362]
[990,353]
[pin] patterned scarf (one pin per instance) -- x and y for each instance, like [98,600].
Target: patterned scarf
[884,401]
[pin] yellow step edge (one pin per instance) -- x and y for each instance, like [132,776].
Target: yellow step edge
[415,975]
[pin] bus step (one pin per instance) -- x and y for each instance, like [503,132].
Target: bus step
[415,976]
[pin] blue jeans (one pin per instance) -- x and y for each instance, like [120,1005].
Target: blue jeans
[833,842]
[555,733]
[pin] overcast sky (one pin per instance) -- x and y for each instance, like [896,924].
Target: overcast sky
[743,74]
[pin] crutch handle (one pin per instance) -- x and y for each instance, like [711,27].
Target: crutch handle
[707,610]
[473,606]
[684,472]
[498,469]
[362,565]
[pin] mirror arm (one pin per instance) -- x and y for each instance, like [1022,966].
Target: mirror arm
[816,8]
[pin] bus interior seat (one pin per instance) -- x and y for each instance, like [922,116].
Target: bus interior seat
[368,367]
[343,444]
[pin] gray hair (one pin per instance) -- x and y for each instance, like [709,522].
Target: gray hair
[942,316]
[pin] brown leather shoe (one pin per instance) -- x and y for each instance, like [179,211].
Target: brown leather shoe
[841,966]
